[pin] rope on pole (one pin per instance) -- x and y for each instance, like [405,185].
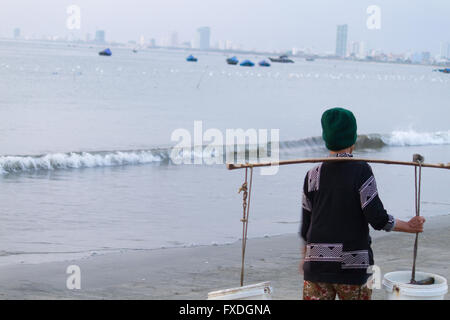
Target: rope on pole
[246,188]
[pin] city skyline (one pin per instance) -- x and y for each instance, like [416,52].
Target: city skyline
[348,47]
[202,41]
[255,26]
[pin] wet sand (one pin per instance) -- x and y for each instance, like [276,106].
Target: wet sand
[190,273]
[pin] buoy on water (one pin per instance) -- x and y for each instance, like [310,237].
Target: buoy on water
[247,63]
[233,61]
[107,52]
[191,58]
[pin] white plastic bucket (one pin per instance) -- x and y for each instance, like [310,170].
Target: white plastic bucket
[397,286]
[259,291]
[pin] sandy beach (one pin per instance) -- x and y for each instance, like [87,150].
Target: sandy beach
[190,273]
[124,125]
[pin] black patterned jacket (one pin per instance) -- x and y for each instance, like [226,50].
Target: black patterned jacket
[340,200]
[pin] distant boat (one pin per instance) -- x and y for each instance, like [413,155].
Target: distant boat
[282,59]
[264,63]
[310,59]
[191,58]
[107,52]
[247,63]
[233,61]
[446,70]
[135,50]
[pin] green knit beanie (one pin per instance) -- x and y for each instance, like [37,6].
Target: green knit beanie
[338,128]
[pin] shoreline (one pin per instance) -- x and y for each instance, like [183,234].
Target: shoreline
[190,273]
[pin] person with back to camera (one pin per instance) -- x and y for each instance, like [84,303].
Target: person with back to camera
[340,201]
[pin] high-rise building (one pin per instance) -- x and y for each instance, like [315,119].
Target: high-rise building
[16,33]
[341,40]
[358,50]
[426,57]
[165,41]
[203,38]
[225,45]
[416,57]
[100,36]
[445,50]
[174,39]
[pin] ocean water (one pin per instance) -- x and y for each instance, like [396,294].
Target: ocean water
[85,143]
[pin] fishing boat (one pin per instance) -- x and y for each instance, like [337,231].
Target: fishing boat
[281,59]
[264,63]
[107,52]
[247,63]
[191,58]
[446,70]
[233,61]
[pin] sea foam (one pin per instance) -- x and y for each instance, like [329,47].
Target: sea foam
[79,160]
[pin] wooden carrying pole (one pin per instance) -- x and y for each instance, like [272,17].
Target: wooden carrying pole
[232,166]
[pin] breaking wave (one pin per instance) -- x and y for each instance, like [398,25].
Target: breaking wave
[78,160]
[413,138]
[377,141]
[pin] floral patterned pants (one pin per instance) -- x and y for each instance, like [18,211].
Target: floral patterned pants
[328,291]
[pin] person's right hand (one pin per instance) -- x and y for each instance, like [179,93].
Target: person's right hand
[416,224]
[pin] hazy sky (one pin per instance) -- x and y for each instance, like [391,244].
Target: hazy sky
[416,25]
